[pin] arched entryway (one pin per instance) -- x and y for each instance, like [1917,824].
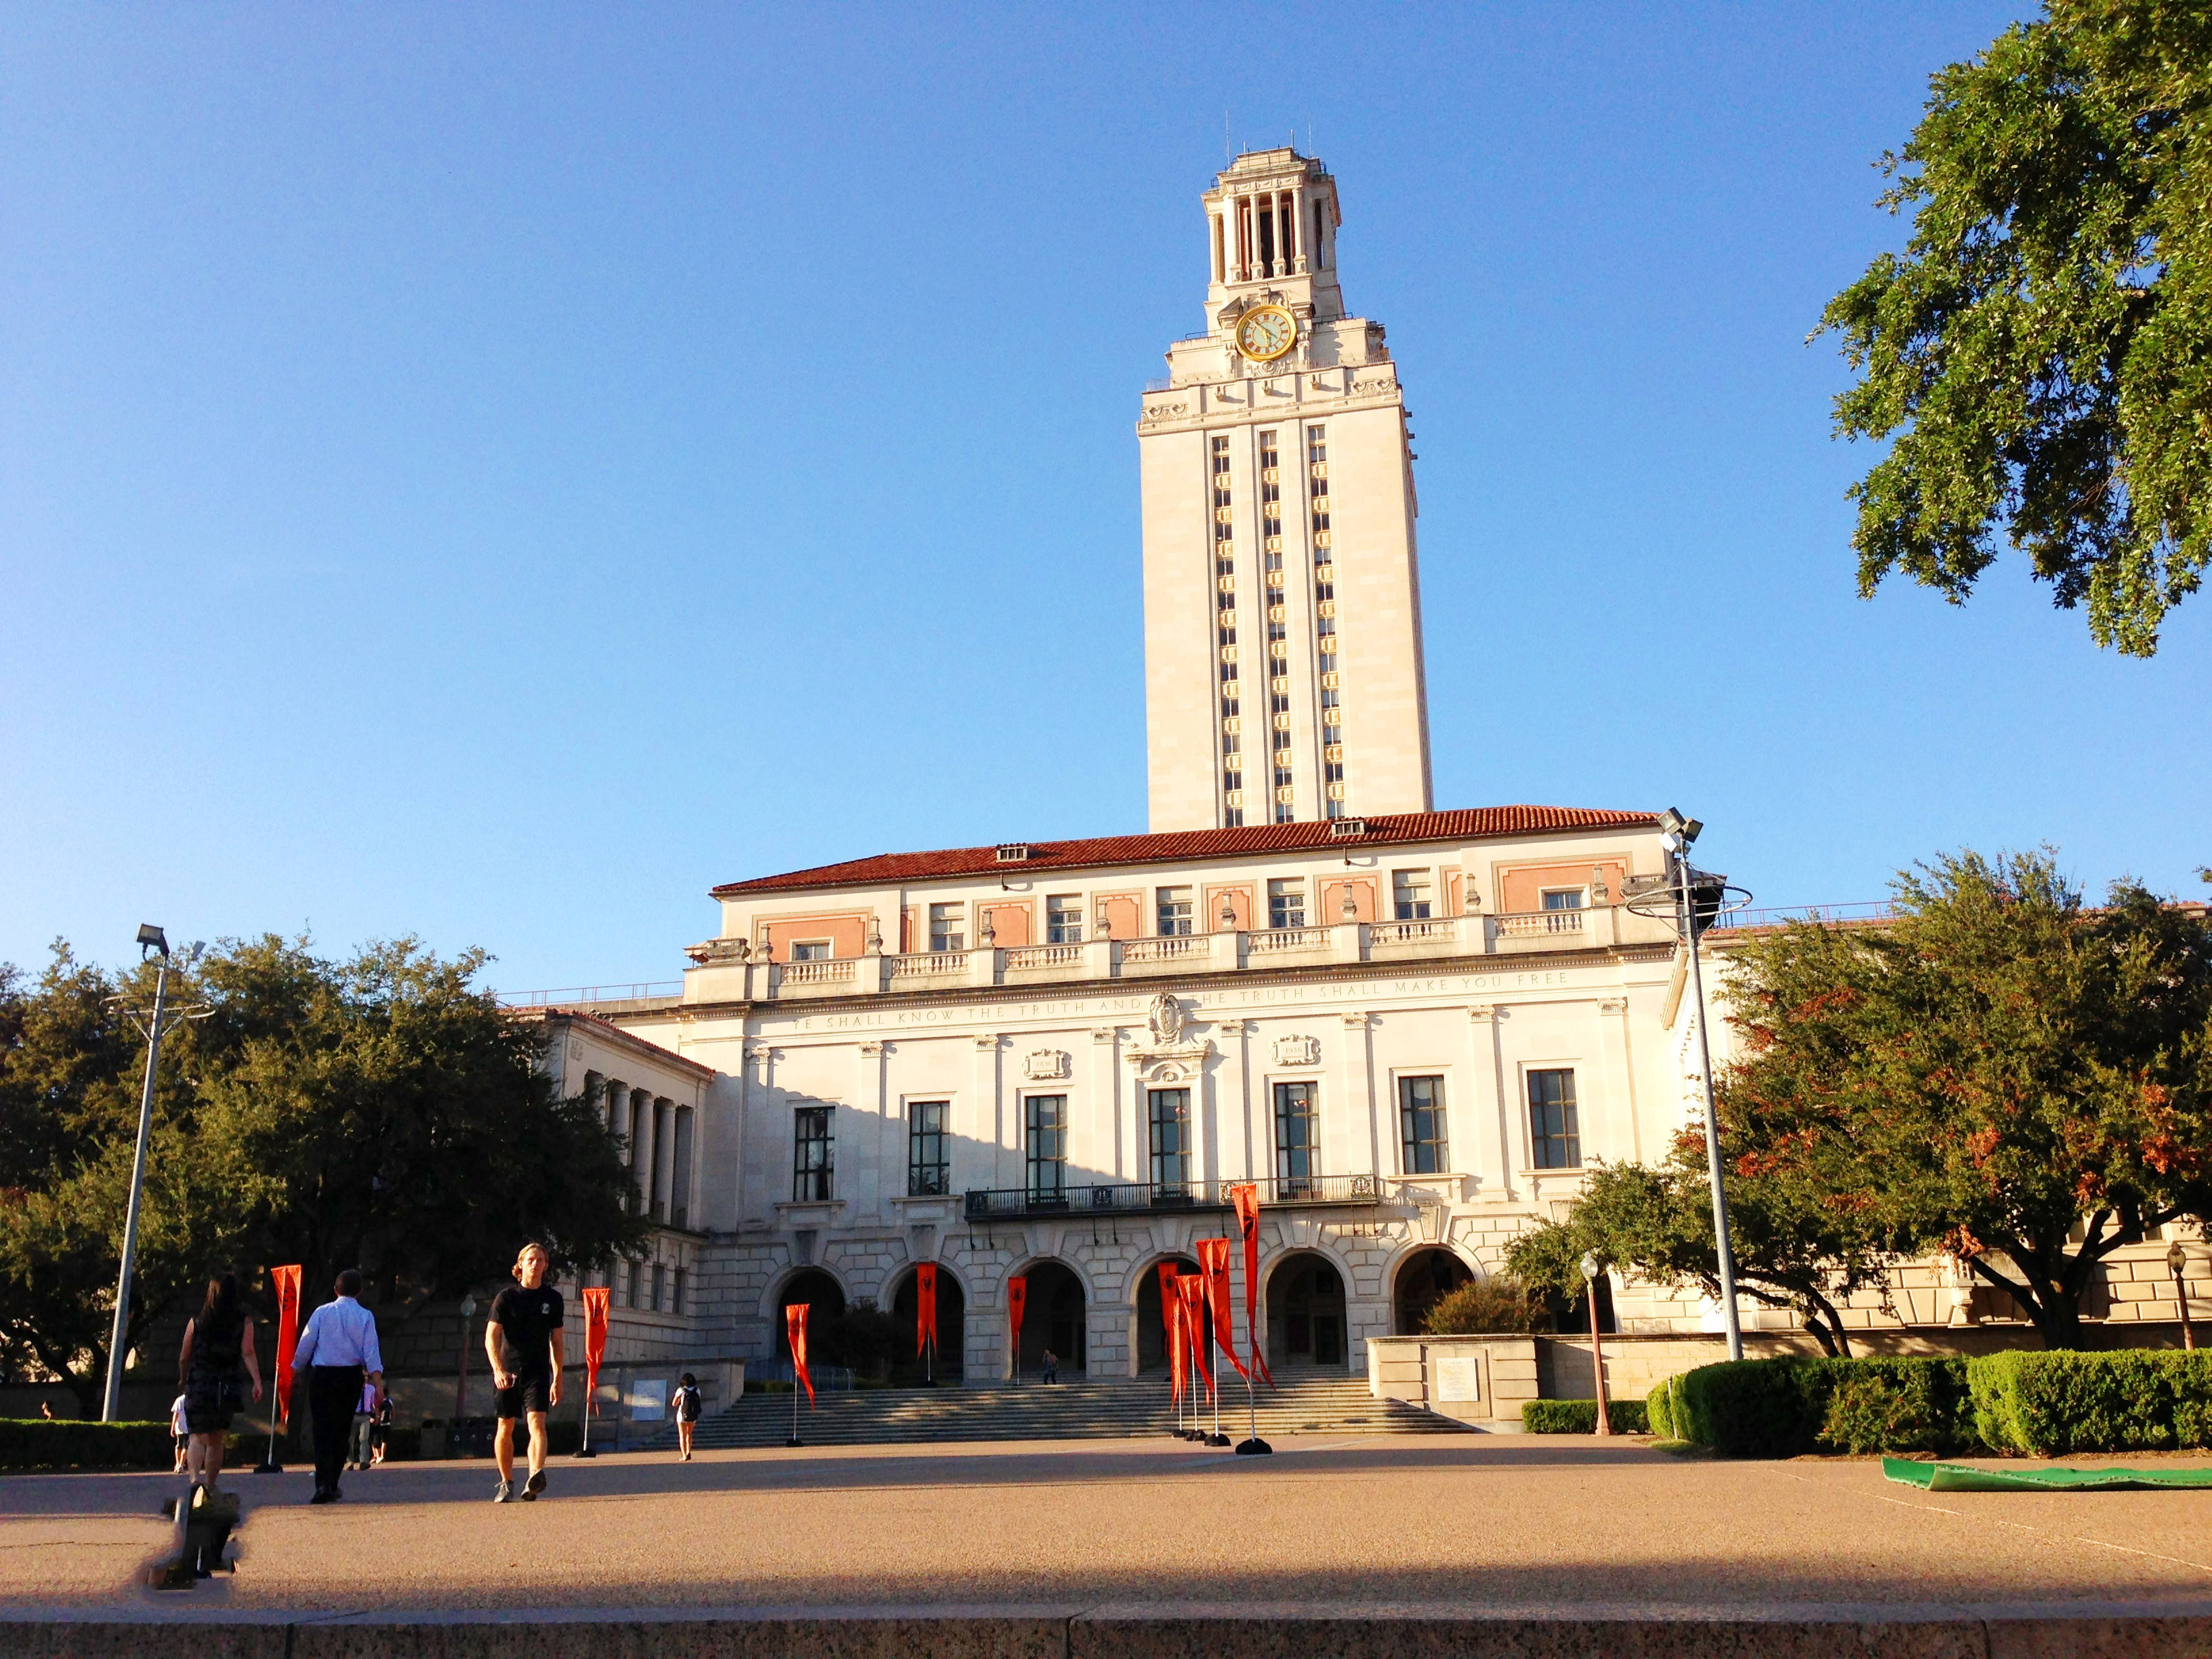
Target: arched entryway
[820,1292]
[1151,1331]
[1054,1318]
[1305,1312]
[1423,1277]
[952,1328]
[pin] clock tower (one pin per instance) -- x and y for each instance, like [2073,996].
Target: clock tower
[1283,676]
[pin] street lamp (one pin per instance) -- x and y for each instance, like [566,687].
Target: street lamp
[150,939]
[2176,1260]
[1695,899]
[1591,1269]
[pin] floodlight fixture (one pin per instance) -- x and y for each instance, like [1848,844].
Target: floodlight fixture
[1672,822]
[151,938]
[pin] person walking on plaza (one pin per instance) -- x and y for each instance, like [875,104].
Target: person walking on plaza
[178,1431]
[524,1345]
[689,1406]
[338,1352]
[1051,1366]
[379,1436]
[212,1365]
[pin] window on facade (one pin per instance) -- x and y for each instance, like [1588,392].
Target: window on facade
[676,1290]
[928,1169]
[946,931]
[660,1286]
[631,1274]
[1047,1143]
[1409,891]
[1174,910]
[1563,898]
[1421,1126]
[810,1155]
[1297,1139]
[1169,1112]
[1286,904]
[1063,919]
[1554,1138]
[810,949]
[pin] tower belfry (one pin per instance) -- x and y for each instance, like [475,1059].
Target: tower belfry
[1283,673]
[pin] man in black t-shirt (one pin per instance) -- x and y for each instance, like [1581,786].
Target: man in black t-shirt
[524,1345]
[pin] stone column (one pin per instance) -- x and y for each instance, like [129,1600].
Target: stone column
[642,1149]
[1619,1080]
[1302,263]
[1106,1102]
[664,1158]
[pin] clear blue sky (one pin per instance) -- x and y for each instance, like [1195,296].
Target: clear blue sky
[493,472]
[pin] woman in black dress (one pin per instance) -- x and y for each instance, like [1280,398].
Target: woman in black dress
[212,1367]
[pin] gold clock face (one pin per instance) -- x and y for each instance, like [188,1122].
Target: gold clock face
[1265,332]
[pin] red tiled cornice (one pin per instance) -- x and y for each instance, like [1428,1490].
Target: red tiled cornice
[1187,846]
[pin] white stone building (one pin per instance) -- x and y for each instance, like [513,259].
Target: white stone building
[1412,1029]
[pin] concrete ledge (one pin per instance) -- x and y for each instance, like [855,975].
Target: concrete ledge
[2058,1631]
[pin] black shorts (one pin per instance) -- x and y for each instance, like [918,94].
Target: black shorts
[532,1392]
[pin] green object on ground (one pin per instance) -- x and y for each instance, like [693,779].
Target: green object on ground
[1964,1477]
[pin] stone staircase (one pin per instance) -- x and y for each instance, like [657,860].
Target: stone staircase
[1312,1404]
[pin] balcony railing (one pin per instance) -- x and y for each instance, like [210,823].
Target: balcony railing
[730,977]
[1136,1198]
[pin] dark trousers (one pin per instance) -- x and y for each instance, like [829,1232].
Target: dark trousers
[333,1393]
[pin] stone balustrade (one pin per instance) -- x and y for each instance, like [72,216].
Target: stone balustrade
[725,979]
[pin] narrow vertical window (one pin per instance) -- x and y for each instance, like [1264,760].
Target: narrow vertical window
[1047,1143]
[1554,1137]
[1421,1126]
[1297,1139]
[1169,1114]
[1287,903]
[1225,575]
[810,1164]
[945,929]
[1063,919]
[929,1171]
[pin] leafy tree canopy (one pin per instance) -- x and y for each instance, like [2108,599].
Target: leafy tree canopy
[1792,1247]
[375,1112]
[2000,1073]
[2042,352]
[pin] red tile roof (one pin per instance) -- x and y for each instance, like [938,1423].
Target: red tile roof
[1185,845]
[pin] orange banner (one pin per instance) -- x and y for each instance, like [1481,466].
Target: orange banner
[1213,1264]
[1170,1322]
[595,1341]
[1245,1195]
[924,1306]
[794,1324]
[286,1280]
[1192,1293]
[1018,1300]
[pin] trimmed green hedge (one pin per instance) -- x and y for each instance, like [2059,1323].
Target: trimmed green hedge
[1659,1407]
[1580,1416]
[34,1443]
[2136,1400]
[1786,1407]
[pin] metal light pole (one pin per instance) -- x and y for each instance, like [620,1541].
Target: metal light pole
[1685,888]
[2176,1259]
[461,1384]
[1591,1269]
[150,937]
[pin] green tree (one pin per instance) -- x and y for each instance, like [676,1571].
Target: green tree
[2042,352]
[375,1112]
[71,1065]
[406,1121]
[2000,1073]
[1793,1247]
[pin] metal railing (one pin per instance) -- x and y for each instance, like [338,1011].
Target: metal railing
[1132,1198]
[816,970]
[1535,923]
[1861,910]
[644,992]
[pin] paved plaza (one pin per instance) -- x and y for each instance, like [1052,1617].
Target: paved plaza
[1473,1523]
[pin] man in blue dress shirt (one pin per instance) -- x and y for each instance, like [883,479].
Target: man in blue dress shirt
[338,1351]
